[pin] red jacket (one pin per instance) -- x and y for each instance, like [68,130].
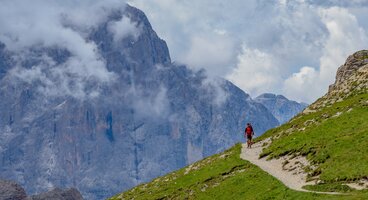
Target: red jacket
[249,130]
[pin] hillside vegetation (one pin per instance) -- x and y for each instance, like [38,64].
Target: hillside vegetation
[334,140]
[222,176]
[332,134]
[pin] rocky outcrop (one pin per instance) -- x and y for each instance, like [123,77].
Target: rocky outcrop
[11,191]
[351,78]
[58,194]
[152,118]
[354,67]
[281,107]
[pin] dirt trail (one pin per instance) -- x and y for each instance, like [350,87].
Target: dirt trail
[274,167]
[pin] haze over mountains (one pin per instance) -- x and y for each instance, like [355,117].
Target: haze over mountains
[117,115]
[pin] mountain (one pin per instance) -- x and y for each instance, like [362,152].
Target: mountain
[329,138]
[281,107]
[107,124]
[12,191]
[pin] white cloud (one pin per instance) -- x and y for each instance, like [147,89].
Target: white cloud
[154,105]
[196,31]
[255,72]
[214,52]
[281,37]
[65,25]
[293,34]
[72,78]
[215,89]
[50,22]
[301,85]
[345,37]
[124,28]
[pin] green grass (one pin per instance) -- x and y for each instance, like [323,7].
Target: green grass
[222,176]
[336,145]
[334,139]
[329,187]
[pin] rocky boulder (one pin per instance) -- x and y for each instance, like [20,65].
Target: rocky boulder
[352,74]
[11,191]
[351,78]
[58,194]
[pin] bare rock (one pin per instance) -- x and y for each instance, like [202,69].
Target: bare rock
[351,66]
[11,191]
[59,194]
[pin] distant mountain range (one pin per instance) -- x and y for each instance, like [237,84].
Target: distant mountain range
[147,117]
[281,107]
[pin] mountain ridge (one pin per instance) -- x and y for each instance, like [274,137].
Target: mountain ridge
[280,106]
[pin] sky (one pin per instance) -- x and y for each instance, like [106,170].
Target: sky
[289,47]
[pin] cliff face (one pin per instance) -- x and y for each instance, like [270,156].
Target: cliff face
[352,75]
[281,107]
[152,117]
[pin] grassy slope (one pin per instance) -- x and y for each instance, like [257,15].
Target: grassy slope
[334,139]
[337,145]
[222,176]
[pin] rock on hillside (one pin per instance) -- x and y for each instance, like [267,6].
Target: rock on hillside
[352,75]
[58,194]
[12,191]
[331,132]
[281,107]
[351,78]
[106,132]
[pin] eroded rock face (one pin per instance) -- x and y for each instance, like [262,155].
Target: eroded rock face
[58,194]
[352,67]
[11,191]
[351,78]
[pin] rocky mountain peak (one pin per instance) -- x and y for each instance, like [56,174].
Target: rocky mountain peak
[140,50]
[281,107]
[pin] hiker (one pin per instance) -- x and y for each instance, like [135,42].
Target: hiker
[248,133]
